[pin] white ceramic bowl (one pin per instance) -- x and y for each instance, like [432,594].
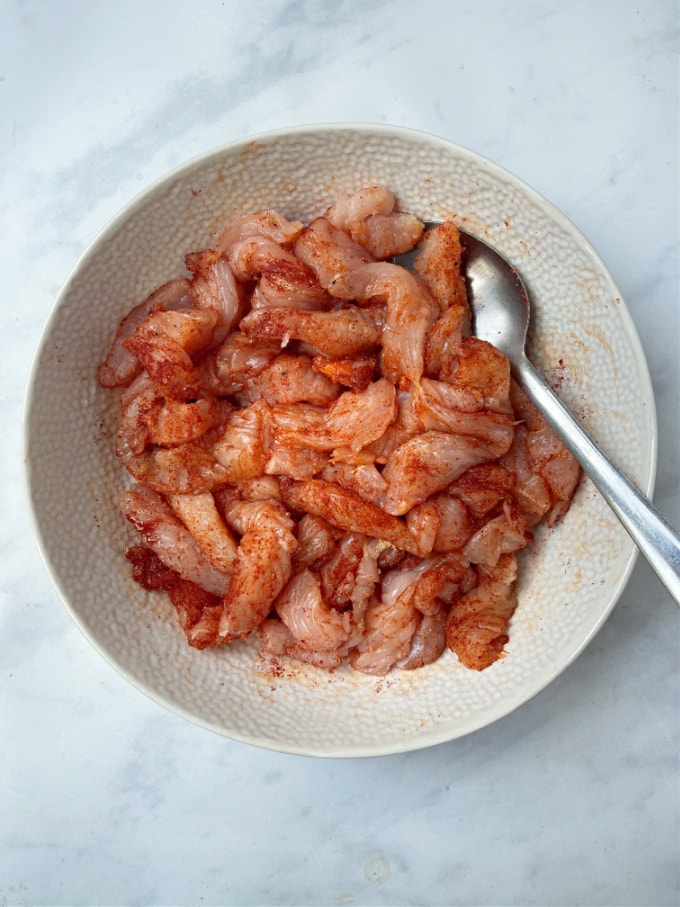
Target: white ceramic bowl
[583,339]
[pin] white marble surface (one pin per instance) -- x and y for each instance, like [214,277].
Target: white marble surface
[107,798]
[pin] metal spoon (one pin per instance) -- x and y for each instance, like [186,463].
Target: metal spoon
[500,311]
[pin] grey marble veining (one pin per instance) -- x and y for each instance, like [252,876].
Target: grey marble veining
[109,799]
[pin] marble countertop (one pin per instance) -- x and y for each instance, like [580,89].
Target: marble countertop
[109,799]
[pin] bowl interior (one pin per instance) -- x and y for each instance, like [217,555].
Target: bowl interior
[582,338]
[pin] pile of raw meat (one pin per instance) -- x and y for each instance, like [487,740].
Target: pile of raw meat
[322,454]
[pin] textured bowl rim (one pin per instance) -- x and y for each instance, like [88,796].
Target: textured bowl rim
[485,717]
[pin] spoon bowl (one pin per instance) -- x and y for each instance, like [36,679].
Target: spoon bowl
[498,298]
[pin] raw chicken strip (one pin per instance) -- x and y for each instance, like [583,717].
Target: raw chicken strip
[347,274]
[366,579]
[186,469]
[347,511]
[275,636]
[241,448]
[435,407]
[315,539]
[443,341]
[423,523]
[292,379]
[312,623]
[286,281]
[355,419]
[236,363]
[483,487]
[338,333]
[262,568]
[254,247]
[442,578]
[214,286]
[269,224]
[429,463]
[356,373]
[503,534]
[411,312]
[338,575]
[352,208]
[387,235]
[551,459]
[333,257]
[198,611]
[260,488]
[199,514]
[455,526]
[178,470]
[369,219]
[439,264]
[482,371]
[121,366]
[169,539]
[388,633]
[287,458]
[428,642]
[176,423]
[164,344]
[364,480]
[477,625]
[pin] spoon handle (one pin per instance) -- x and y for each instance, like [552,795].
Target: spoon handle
[656,538]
